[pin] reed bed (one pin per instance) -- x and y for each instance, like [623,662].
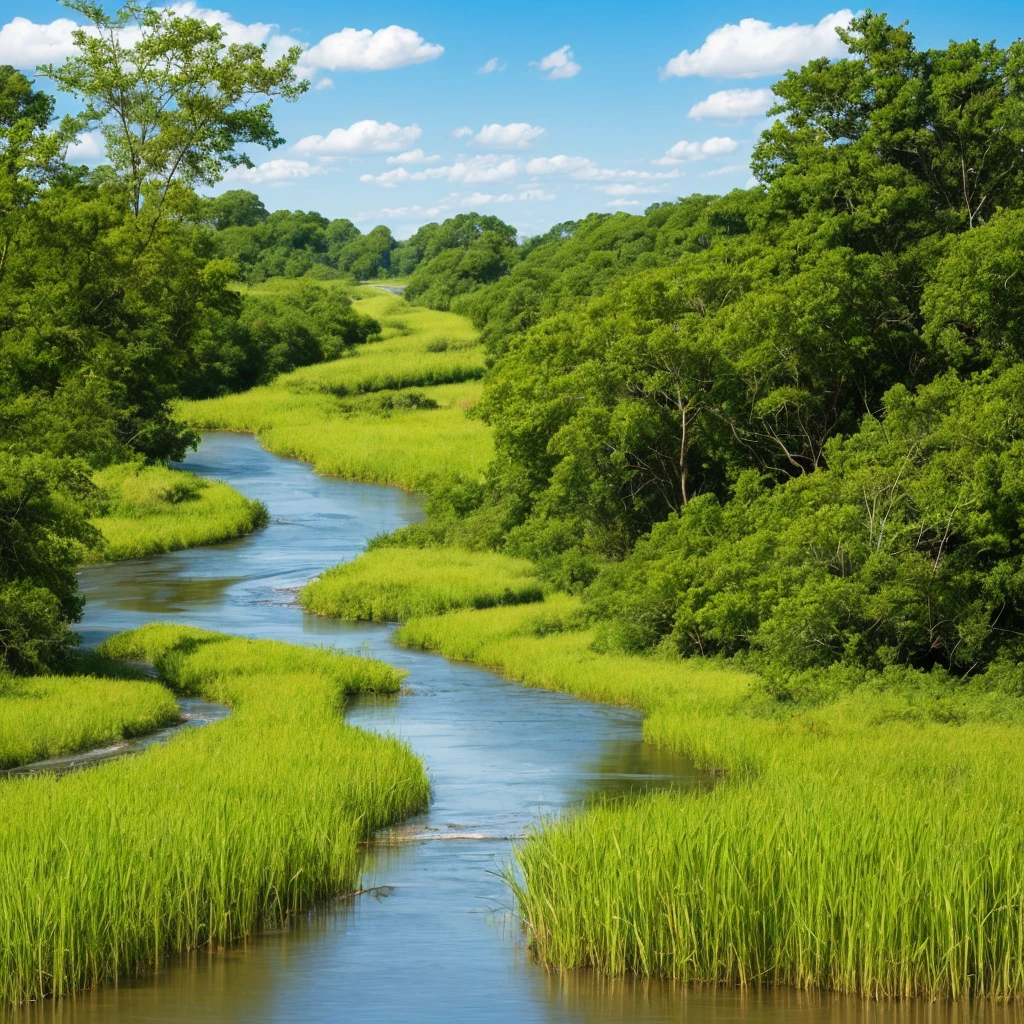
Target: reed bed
[859,846]
[203,840]
[394,584]
[152,509]
[49,716]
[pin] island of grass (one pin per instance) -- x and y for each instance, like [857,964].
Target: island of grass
[152,509]
[105,873]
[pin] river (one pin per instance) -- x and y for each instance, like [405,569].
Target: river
[436,942]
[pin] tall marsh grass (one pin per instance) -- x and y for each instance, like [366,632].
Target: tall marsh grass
[48,716]
[200,841]
[310,414]
[858,846]
[393,584]
[152,509]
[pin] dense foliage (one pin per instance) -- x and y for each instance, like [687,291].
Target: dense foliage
[787,421]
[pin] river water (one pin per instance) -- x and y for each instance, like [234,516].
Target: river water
[436,942]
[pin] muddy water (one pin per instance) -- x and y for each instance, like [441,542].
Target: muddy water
[435,942]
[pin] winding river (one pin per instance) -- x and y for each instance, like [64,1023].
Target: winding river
[433,940]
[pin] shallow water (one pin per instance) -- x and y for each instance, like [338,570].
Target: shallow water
[436,942]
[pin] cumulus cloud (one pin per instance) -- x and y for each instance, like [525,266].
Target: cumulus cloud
[491,66]
[362,137]
[624,202]
[86,148]
[683,152]
[728,169]
[364,50]
[733,104]
[477,170]
[324,83]
[517,135]
[275,172]
[582,168]
[413,156]
[461,133]
[560,64]
[25,43]
[754,48]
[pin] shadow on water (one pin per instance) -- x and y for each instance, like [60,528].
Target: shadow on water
[443,945]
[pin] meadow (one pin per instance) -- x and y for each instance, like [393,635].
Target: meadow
[152,509]
[48,716]
[196,844]
[392,584]
[393,412]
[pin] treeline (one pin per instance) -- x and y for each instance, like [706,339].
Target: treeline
[786,423]
[114,298]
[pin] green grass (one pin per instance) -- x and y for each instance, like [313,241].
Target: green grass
[154,509]
[393,584]
[860,846]
[203,840]
[49,716]
[318,414]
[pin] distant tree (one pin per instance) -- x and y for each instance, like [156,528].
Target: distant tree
[237,208]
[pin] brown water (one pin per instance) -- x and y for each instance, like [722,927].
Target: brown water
[436,941]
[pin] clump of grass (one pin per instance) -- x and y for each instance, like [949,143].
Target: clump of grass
[393,584]
[49,716]
[203,840]
[856,846]
[152,509]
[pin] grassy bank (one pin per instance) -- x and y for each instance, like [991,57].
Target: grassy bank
[196,843]
[863,845]
[393,412]
[395,584]
[48,716]
[153,509]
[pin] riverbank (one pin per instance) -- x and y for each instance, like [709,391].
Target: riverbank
[105,873]
[393,412]
[865,845]
[152,509]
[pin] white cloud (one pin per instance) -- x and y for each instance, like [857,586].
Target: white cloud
[560,64]
[733,104]
[363,50]
[362,137]
[86,148]
[728,169]
[517,135]
[684,152]
[562,164]
[324,83]
[624,202]
[25,43]
[475,171]
[491,66]
[275,172]
[754,48]
[461,133]
[413,156]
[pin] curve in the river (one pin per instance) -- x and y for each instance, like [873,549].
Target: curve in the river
[430,939]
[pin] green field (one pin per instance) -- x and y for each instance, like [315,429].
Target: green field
[48,716]
[153,509]
[393,584]
[865,845]
[394,412]
[104,873]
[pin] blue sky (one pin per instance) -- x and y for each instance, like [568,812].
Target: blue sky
[579,106]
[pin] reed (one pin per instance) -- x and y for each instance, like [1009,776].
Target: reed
[393,584]
[202,840]
[152,509]
[48,716]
